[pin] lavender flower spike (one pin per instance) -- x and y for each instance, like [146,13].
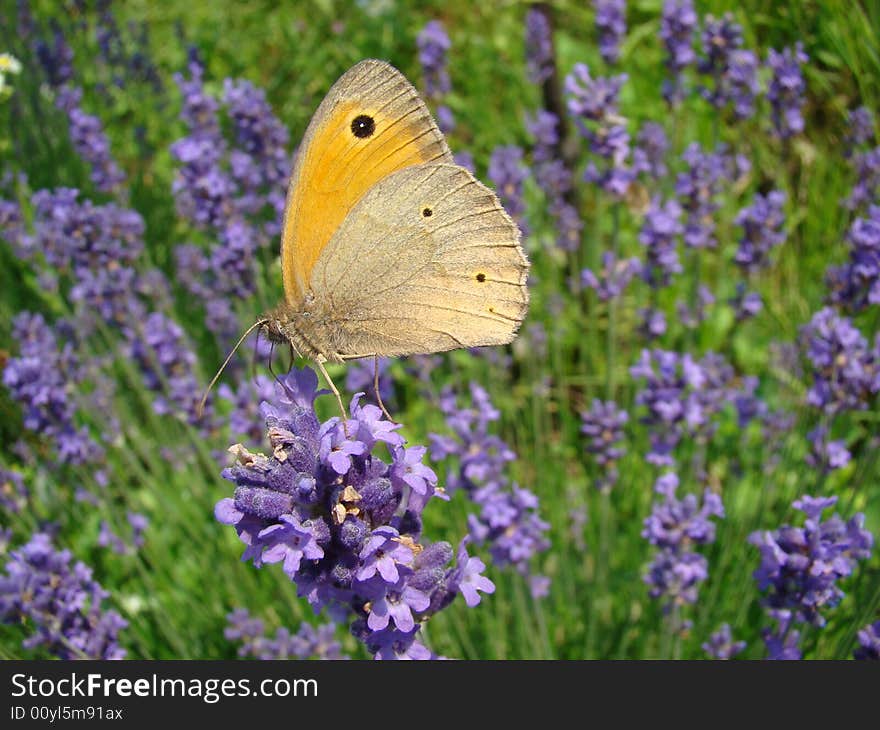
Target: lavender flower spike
[345,524]
[60,602]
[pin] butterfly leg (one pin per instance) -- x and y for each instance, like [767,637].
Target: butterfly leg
[320,363]
[376,388]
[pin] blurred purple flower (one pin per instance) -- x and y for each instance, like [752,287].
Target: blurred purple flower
[59,602]
[89,140]
[611,27]
[539,45]
[158,347]
[660,231]
[307,643]
[682,397]
[649,154]
[508,173]
[856,284]
[653,324]
[861,128]
[869,643]
[698,188]
[614,277]
[593,102]
[434,45]
[746,304]
[721,644]
[42,379]
[721,38]
[56,58]
[867,186]
[602,427]
[508,519]
[787,89]
[677,26]
[763,225]
[13,493]
[845,372]
[826,455]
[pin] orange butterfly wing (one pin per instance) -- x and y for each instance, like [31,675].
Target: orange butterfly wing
[371,123]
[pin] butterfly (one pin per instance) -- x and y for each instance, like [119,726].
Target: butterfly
[388,247]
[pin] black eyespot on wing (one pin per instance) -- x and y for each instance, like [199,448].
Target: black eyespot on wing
[363,126]
[481,277]
[427,212]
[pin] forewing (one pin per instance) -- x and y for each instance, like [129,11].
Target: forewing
[335,167]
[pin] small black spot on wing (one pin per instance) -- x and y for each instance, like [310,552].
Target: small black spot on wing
[427,212]
[481,277]
[363,126]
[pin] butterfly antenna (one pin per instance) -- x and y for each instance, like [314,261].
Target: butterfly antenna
[254,358]
[201,409]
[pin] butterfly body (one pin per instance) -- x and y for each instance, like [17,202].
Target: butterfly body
[388,247]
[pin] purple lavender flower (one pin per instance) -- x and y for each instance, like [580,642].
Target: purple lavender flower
[677,26]
[345,524]
[507,173]
[826,455]
[721,38]
[260,164]
[660,231]
[763,230]
[41,378]
[649,154]
[158,347]
[787,89]
[138,524]
[13,492]
[676,526]
[603,426]
[595,100]
[698,188]
[869,643]
[653,324]
[782,641]
[89,140]
[801,566]
[845,372]
[554,178]
[508,520]
[95,246]
[692,317]
[244,418]
[307,643]
[434,45]
[861,128]
[539,45]
[611,27]
[742,86]
[746,304]
[76,237]
[721,644]
[360,376]
[856,284]
[867,186]
[56,58]
[682,397]
[614,277]
[59,602]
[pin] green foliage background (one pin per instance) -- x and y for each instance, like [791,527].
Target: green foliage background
[178,589]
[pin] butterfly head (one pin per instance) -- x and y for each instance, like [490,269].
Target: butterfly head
[297,327]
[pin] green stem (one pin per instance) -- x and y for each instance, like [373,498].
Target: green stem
[612,309]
